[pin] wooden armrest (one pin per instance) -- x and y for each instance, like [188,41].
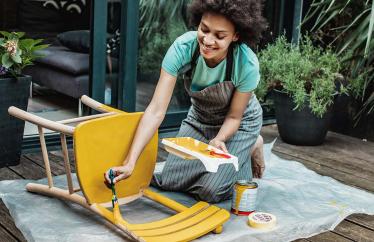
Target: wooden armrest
[19,113]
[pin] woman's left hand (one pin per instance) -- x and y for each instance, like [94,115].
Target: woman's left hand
[219,144]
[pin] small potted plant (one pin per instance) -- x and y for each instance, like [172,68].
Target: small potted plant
[16,52]
[302,80]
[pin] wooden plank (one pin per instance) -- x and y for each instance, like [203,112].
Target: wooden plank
[7,174]
[352,150]
[6,236]
[58,153]
[351,155]
[57,157]
[6,222]
[328,237]
[367,146]
[338,166]
[28,169]
[354,231]
[362,220]
[57,167]
[339,161]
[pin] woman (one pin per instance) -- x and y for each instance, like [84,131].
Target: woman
[224,113]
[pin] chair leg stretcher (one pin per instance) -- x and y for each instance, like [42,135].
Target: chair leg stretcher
[102,141]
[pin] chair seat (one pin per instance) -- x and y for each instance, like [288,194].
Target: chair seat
[192,223]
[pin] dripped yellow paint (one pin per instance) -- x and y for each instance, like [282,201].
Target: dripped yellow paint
[239,189]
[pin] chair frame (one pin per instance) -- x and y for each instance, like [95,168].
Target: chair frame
[70,194]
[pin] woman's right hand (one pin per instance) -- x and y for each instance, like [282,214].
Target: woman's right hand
[120,173]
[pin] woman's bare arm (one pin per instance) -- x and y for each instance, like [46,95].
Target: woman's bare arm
[153,115]
[232,121]
[148,125]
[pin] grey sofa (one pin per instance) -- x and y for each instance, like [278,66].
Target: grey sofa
[65,71]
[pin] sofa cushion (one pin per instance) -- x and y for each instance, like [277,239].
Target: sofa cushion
[76,40]
[60,81]
[62,58]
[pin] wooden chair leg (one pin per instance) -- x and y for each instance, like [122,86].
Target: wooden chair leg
[67,163]
[45,156]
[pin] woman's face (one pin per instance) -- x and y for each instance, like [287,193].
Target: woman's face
[215,34]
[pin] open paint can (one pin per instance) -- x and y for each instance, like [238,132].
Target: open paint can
[244,197]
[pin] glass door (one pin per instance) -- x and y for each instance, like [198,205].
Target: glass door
[135,56]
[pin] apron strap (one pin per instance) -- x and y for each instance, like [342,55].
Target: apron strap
[230,56]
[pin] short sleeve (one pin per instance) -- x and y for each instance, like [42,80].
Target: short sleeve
[247,70]
[179,53]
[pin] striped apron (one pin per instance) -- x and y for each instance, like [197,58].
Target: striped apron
[204,120]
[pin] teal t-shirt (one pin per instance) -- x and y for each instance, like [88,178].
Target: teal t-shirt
[245,73]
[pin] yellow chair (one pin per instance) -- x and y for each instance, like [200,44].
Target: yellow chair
[102,141]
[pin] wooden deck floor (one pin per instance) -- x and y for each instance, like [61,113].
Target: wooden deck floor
[344,158]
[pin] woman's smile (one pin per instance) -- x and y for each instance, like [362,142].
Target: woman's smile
[207,50]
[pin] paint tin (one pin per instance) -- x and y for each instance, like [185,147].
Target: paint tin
[244,197]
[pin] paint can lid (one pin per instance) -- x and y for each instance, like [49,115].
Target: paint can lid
[248,183]
[261,220]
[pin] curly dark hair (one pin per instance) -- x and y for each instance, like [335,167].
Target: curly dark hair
[246,15]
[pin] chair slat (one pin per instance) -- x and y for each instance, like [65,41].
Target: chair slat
[182,225]
[193,232]
[195,209]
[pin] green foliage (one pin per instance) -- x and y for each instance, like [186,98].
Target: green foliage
[16,52]
[157,15]
[349,26]
[161,22]
[304,72]
[154,49]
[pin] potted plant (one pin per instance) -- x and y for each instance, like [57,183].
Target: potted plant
[16,52]
[302,79]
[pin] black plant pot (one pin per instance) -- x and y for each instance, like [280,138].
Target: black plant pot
[13,92]
[299,127]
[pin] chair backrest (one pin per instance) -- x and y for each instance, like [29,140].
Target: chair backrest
[102,143]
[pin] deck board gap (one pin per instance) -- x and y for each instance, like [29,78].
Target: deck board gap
[10,233]
[10,168]
[342,235]
[36,163]
[359,224]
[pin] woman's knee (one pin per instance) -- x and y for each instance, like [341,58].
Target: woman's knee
[215,194]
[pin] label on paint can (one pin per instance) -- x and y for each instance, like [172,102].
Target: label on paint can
[244,197]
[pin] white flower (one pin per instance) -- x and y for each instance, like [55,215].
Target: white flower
[11,47]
